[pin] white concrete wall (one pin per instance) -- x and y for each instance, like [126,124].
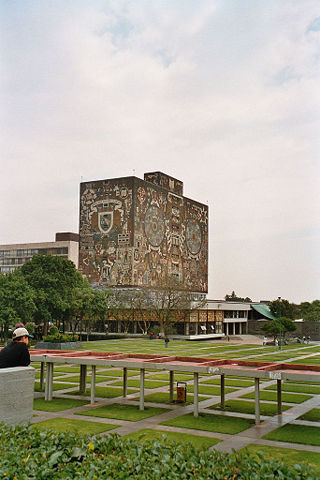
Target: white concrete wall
[16,395]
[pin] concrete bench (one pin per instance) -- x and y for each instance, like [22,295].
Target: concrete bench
[16,394]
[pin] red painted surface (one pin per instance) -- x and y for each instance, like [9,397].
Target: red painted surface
[176,360]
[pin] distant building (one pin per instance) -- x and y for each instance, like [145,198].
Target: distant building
[215,319]
[137,232]
[13,256]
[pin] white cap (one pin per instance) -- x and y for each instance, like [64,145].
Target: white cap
[21,332]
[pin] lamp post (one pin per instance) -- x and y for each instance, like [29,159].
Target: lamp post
[279,316]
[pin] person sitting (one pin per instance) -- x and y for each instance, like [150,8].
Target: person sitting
[16,353]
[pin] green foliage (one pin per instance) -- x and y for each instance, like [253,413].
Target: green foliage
[27,453]
[17,301]
[30,327]
[272,327]
[60,338]
[283,308]
[234,298]
[53,280]
[310,312]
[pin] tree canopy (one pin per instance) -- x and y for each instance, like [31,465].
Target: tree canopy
[53,279]
[282,324]
[17,301]
[234,298]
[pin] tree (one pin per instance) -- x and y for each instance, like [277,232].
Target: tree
[86,307]
[17,301]
[272,327]
[310,312]
[234,298]
[283,308]
[53,280]
[123,306]
[170,302]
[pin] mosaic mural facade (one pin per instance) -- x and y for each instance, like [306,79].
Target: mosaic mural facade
[136,232]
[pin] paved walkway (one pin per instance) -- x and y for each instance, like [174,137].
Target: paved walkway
[228,442]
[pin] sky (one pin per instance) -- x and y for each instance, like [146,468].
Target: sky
[222,95]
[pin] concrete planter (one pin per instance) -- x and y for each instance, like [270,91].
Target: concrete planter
[16,395]
[58,346]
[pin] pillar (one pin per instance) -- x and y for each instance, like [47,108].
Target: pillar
[279,397]
[171,385]
[42,375]
[49,382]
[257,399]
[83,378]
[196,391]
[93,384]
[125,382]
[141,406]
[222,392]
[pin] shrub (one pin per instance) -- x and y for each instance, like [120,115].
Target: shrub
[27,453]
[60,338]
[30,327]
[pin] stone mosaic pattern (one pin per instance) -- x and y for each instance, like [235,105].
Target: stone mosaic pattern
[135,233]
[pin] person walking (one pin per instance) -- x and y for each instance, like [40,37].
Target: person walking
[265,340]
[166,341]
[16,353]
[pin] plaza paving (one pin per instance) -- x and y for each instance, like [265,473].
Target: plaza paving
[235,349]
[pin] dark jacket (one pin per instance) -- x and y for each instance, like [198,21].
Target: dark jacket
[15,354]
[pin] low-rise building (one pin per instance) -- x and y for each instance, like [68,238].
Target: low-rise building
[12,256]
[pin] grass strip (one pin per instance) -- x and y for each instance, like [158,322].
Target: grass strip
[148,434]
[209,390]
[312,389]
[229,382]
[105,392]
[123,412]
[62,425]
[304,434]
[243,406]
[312,416]
[292,457]
[164,397]
[211,423]
[147,383]
[286,397]
[57,404]
[178,377]
[55,386]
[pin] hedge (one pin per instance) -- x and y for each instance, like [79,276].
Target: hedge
[27,453]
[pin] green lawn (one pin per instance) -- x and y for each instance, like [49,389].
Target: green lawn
[178,377]
[105,392]
[211,423]
[198,441]
[286,397]
[210,389]
[123,412]
[74,369]
[229,381]
[118,373]
[289,455]
[312,416]
[164,397]
[55,386]
[56,404]
[81,426]
[308,361]
[243,406]
[289,387]
[147,383]
[296,434]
